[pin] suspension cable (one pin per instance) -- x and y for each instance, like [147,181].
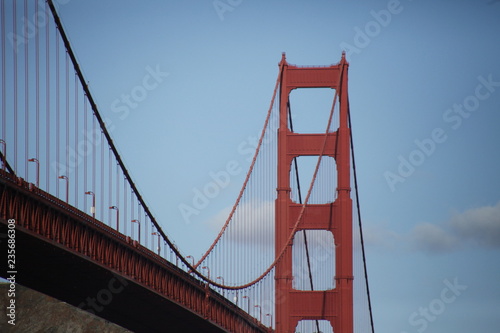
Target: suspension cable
[6,163]
[141,201]
[304,205]
[359,217]
[106,134]
[247,178]
[119,160]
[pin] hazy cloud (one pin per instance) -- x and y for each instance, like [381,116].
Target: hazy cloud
[432,238]
[479,227]
[381,237]
[253,222]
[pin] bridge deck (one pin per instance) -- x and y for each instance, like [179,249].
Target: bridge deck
[64,253]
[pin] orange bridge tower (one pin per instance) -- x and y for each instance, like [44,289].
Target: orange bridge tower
[335,305]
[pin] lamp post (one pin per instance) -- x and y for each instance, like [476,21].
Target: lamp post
[92,209]
[208,271]
[191,271]
[117,217]
[270,320]
[139,230]
[236,298]
[37,170]
[157,234]
[260,312]
[67,187]
[176,257]
[222,279]
[248,303]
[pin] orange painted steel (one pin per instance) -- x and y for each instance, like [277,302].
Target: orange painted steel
[42,216]
[334,305]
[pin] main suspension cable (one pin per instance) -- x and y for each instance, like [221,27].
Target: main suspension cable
[106,134]
[359,217]
[304,205]
[247,178]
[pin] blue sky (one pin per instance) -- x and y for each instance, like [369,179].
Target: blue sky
[425,103]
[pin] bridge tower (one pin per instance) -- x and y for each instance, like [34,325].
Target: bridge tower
[335,305]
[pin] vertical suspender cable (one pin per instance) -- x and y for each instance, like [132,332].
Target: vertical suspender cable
[58,110]
[132,215]
[110,187]
[125,206]
[37,83]
[67,112]
[47,98]
[359,218]
[76,142]
[140,219]
[117,200]
[4,105]
[93,141]
[85,153]
[102,176]
[26,94]
[14,54]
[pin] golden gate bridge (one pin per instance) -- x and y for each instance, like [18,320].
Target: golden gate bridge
[288,257]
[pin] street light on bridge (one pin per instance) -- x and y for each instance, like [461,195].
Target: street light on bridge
[192,259]
[37,170]
[236,298]
[270,320]
[176,257]
[222,279]
[208,271]
[157,234]
[67,187]
[117,217]
[191,271]
[139,229]
[260,312]
[92,209]
[248,303]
